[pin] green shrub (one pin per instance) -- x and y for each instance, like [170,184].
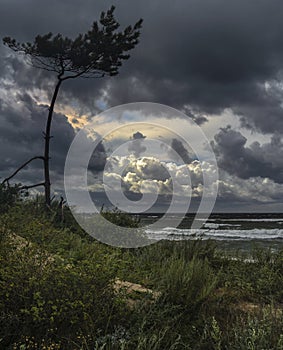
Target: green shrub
[120,218]
[9,196]
[187,283]
[56,290]
[258,332]
[46,296]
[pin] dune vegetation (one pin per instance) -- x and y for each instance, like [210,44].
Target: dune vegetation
[62,289]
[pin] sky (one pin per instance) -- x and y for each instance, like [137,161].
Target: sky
[217,63]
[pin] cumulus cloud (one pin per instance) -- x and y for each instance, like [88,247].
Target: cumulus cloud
[149,173]
[255,189]
[201,57]
[232,189]
[149,168]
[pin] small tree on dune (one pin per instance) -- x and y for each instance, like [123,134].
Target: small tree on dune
[95,54]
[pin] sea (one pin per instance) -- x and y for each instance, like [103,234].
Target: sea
[229,230]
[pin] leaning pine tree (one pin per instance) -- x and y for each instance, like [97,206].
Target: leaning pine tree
[95,54]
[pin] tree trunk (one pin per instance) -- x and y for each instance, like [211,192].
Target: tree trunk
[47,137]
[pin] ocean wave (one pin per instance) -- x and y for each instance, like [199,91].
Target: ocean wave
[252,234]
[277,220]
[214,226]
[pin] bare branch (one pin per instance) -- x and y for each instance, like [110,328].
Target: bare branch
[21,167]
[32,186]
[97,53]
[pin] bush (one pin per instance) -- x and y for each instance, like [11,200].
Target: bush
[187,284]
[43,296]
[120,218]
[258,332]
[56,290]
[9,196]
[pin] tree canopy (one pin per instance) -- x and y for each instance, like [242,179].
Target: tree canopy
[97,53]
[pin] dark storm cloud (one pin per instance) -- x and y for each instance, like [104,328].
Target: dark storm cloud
[208,55]
[136,146]
[180,149]
[246,162]
[22,121]
[138,135]
[195,115]
[98,158]
[265,112]
[198,56]
[22,138]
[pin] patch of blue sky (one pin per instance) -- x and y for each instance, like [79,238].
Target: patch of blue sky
[101,104]
[130,116]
